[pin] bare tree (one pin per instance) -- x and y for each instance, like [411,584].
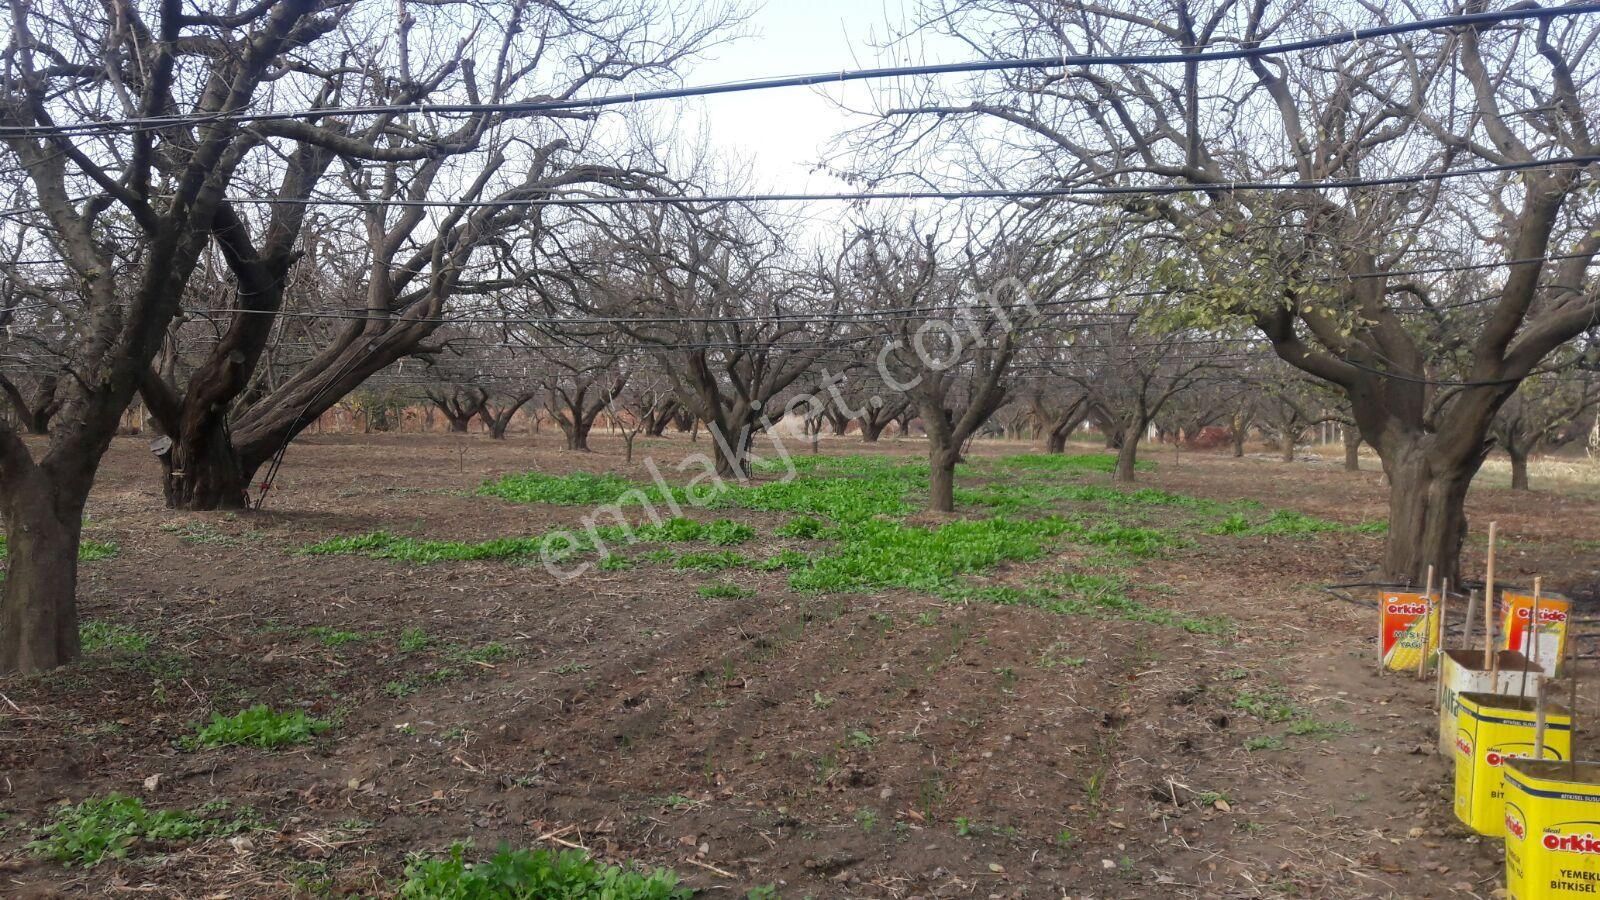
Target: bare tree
[1328,276]
[732,317]
[127,213]
[1130,371]
[482,168]
[1548,411]
[952,324]
[579,384]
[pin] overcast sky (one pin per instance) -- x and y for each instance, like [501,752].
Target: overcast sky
[782,131]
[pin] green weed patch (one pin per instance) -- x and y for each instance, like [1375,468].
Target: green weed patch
[575,489]
[258,726]
[712,561]
[1290,523]
[534,875]
[113,826]
[89,550]
[1086,594]
[876,554]
[1069,462]
[97,636]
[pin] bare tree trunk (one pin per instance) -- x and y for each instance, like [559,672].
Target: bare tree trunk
[1239,435]
[43,514]
[1056,442]
[941,473]
[1288,442]
[732,437]
[1519,468]
[871,430]
[1352,449]
[458,424]
[1128,452]
[205,472]
[1427,515]
[577,434]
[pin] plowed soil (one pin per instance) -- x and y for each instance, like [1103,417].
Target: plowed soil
[834,745]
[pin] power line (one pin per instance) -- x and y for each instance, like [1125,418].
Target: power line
[1063,61]
[970,194]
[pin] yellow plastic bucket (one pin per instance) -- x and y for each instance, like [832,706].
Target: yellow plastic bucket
[1490,730]
[1406,626]
[1552,825]
[1516,611]
[1461,671]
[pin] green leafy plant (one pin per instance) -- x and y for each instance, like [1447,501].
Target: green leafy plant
[97,636]
[114,825]
[802,527]
[412,640]
[258,726]
[784,559]
[724,591]
[334,637]
[534,875]
[711,561]
[575,489]
[1070,462]
[1290,523]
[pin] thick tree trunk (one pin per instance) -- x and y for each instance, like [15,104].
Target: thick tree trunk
[1519,469]
[577,435]
[941,476]
[870,430]
[732,450]
[1287,446]
[1352,449]
[38,609]
[206,474]
[1128,455]
[1238,436]
[458,424]
[1056,442]
[1427,515]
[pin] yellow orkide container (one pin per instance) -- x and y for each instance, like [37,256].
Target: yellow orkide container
[1552,825]
[1462,670]
[1490,730]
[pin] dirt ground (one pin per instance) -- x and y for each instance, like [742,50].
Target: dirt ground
[886,745]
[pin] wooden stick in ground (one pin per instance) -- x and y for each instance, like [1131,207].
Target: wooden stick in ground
[1572,705]
[1532,643]
[1472,607]
[1426,631]
[1444,632]
[1488,607]
[1538,720]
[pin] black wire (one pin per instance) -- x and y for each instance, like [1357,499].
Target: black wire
[1063,61]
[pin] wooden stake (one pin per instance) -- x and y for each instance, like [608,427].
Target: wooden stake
[1533,638]
[1488,608]
[1426,631]
[1538,720]
[1472,607]
[1444,632]
[1572,704]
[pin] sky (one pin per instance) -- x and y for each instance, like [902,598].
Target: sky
[781,132]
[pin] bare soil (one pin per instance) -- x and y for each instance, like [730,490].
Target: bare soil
[850,745]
